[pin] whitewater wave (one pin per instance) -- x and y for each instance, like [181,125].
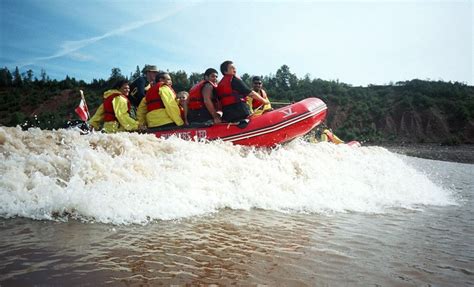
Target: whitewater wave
[132,178]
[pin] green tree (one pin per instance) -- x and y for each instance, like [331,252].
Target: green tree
[17,80]
[246,78]
[115,75]
[67,83]
[195,78]
[5,77]
[180,81]
[29,76]
[17,118]
[285,80]
[137,74]
[43,76]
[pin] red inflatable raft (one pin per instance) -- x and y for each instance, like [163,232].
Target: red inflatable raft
[267,130]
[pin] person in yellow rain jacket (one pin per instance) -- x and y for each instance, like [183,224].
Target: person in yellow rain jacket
[114,111]
[257,107]
[159,107]
[324,134]
[328,136]
[97,119]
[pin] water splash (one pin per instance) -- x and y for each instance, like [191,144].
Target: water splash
[132,178]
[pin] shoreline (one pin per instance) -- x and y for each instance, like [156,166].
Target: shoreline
[463,153]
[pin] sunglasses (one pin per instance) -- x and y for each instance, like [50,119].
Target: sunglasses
[257,83]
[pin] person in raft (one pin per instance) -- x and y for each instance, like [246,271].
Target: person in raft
[202,103]
[323,133]
[159,107]
[232,92]
[140,85]
[328,136]
[114,112]
[182,98]
[257,107]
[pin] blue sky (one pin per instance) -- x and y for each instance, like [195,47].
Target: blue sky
[356,42]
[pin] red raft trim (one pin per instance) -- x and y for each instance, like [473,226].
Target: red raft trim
[276,127]
[266,130]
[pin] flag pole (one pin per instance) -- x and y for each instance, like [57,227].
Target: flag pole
[85,103]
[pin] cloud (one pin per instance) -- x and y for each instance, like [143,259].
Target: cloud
[81,57]
[69,48]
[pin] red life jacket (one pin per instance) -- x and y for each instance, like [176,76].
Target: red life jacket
[153,99]
[257,103]
[109,114]
[225,93]
[196,100]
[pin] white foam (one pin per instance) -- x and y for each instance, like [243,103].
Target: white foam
[131,178]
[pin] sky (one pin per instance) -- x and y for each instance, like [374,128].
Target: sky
[355,42]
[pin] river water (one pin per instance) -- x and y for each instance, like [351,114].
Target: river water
[133,210]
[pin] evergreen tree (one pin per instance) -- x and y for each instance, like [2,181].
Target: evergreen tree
[43,76]
[136,74]
[17,80]
[246,78]
[195,78]
[29,76]
[180,81]
[285,79]
[5,77]
[116,75]
[67,83]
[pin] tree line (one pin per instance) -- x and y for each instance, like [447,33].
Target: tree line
[355,112]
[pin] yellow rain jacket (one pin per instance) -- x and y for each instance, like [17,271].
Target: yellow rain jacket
[327,135]
[170,114]
[258,110]
[98,118]
[124,121]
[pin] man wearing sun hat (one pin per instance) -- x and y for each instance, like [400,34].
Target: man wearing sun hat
[140,85]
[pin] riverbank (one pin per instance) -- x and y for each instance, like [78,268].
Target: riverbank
[458,153]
